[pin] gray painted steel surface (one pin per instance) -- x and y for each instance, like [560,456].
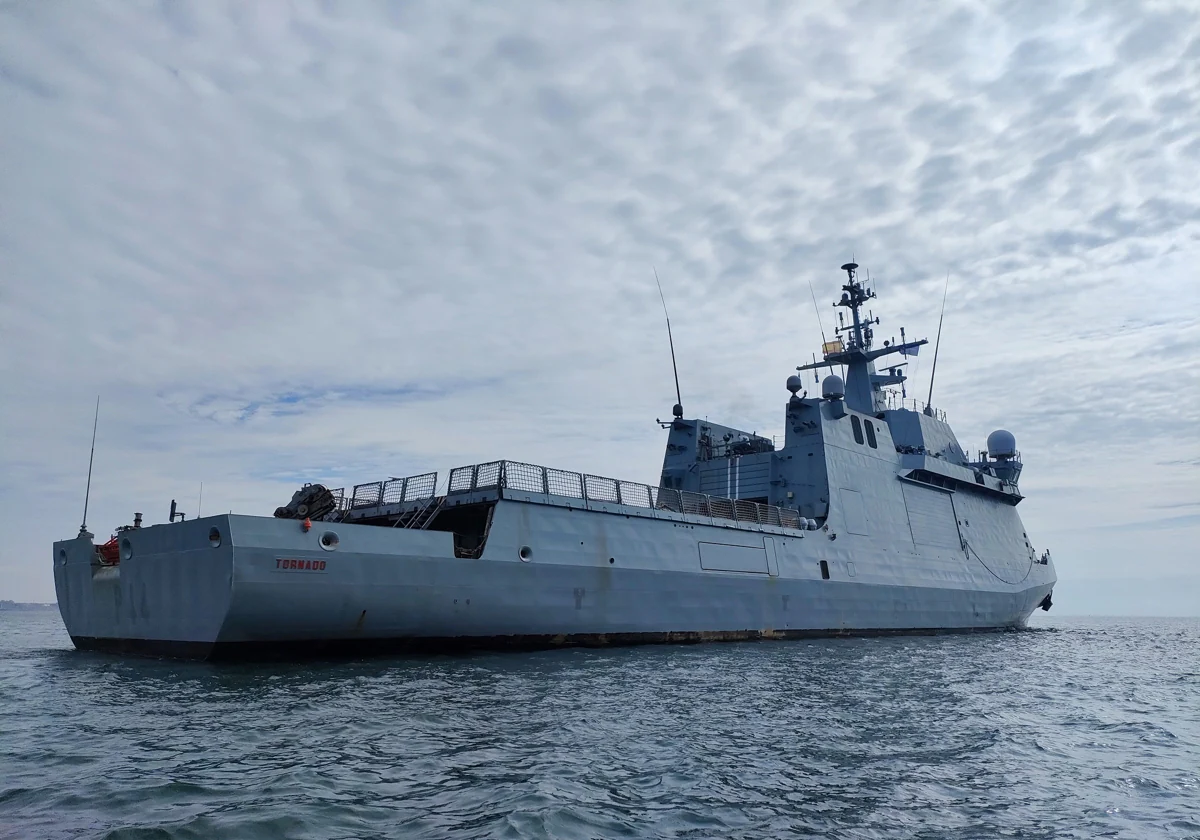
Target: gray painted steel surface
[270,581]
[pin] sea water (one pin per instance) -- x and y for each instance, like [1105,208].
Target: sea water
[1079,727]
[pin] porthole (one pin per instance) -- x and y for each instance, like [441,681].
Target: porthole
[62,557]
[329,541]
[526,554]
[126,549]
[612,560]
[214,537]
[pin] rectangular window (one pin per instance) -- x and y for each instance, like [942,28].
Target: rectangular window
[824,570]
[858,438]
[871,435]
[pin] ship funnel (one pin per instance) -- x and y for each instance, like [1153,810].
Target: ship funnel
[832,387]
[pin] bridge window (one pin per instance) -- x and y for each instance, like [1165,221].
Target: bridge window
[871,435]
[858,437]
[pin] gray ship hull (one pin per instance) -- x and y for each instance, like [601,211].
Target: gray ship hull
[550,574]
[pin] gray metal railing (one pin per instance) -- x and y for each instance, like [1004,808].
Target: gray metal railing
[531,478]
[390,492]
[547,481]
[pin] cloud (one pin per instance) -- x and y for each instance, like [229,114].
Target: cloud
[311,241]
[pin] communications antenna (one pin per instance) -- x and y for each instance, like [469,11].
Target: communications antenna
[88,493]
[677,409]
[937,344]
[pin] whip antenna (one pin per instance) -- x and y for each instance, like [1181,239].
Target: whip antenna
[937,344]
[88,493]
[677,411]
[817,309]
[824,343]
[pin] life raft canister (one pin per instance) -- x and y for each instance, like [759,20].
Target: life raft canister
[110,552]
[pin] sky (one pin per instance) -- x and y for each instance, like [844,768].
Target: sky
[336,242]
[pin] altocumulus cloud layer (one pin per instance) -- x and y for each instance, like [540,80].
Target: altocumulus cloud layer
[290,242]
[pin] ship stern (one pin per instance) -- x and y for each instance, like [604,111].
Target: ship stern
[166,593]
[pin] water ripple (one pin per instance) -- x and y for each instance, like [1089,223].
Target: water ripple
[1087,728]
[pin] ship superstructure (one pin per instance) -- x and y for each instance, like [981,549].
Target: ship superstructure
[869,518]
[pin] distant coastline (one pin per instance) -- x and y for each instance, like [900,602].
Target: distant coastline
[18,606]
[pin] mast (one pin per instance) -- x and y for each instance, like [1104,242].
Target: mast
[854,295]
[863,386]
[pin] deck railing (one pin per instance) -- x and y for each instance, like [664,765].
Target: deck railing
[390,492]
[895,401]
[547,481]
[531,478]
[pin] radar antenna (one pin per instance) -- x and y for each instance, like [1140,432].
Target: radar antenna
[92,457]
[677,409]
[937,344]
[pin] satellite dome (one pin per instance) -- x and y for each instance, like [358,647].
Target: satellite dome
[1001,444]
[794,383]
[832,388]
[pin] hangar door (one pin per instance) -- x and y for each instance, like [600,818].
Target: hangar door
[931,517]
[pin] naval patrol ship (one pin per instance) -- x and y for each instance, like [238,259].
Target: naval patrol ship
[869,518]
